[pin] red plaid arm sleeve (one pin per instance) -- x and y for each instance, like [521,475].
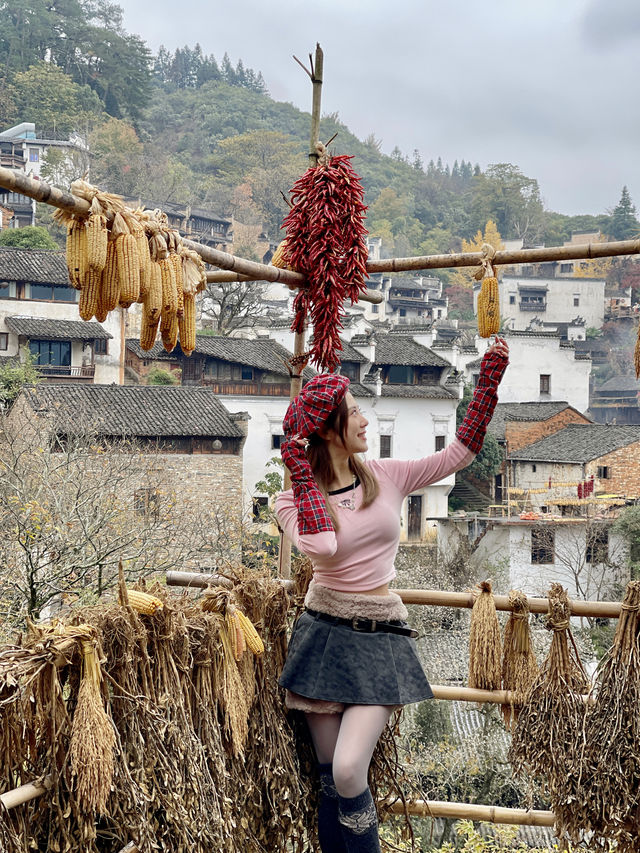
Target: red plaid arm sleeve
[309,500]
[473,428]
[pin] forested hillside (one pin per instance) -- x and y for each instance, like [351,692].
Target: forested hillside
[183,127]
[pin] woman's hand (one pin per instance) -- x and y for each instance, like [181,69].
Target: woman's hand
[499,347]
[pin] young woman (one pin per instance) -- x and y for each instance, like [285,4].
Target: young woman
[352,657]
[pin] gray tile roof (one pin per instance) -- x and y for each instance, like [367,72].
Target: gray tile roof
[418,392]
[34,265]
[620,383]
[579,443]
[533,411]
[134,410]
[42,328]
[406,351]
[261,353]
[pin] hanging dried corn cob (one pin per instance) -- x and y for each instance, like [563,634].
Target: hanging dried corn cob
[90,294]
[144,255]
[236,634]
[96,229]
[76,252]
[519,667]
[151,309]
[278,259]
[488,303]
[110,280]
[485,664]
[176,261]
[187,325]
[253,639]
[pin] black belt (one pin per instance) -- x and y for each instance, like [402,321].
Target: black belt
[366,626]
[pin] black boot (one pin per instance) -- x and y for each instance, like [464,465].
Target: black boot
[359,823]
[329,831]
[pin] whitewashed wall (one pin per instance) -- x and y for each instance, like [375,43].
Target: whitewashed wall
[559,300]
[533,355]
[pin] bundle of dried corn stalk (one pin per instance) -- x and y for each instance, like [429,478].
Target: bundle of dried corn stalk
[547,739]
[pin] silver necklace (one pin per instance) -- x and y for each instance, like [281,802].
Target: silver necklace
[350,502]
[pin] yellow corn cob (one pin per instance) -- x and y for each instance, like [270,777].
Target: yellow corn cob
[101,314]
[76,252]
[88,305]
[176,261]
[128,269]
[169,332]
[145,262]
[187,325]
[488,308]
[253,639]
[278,257]
[153,299]
[97,235]
[109,281]
[238,642]
[144,602]
[169,292]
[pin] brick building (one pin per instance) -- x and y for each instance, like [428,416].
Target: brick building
[554,466]
[185,436]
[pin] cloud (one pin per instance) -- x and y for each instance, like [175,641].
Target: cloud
[609,23]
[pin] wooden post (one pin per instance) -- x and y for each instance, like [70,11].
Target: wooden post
[317,68]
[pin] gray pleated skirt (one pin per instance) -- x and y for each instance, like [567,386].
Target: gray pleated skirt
[334,663]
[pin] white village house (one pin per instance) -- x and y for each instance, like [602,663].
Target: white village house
[39,313]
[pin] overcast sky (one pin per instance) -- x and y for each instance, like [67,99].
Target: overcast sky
[548,85]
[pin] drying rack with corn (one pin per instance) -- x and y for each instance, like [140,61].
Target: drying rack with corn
[118,256]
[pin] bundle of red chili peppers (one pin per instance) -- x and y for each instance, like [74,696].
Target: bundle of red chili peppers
[326,242]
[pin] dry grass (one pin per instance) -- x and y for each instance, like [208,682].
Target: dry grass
[519,666]
[205,756]
[485,648]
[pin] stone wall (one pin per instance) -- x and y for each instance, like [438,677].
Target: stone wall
[623,471]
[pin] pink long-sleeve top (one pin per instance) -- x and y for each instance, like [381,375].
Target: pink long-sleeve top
[360,555]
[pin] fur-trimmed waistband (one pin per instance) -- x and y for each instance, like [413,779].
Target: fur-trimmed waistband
[346,605]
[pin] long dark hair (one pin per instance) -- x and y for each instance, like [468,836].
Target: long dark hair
[322,467]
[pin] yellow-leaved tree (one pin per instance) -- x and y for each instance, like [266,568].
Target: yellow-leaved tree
[464,275]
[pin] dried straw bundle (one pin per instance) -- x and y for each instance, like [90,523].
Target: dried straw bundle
[485,650]
[606,801]
[92,737]
[547,737]
[519,666]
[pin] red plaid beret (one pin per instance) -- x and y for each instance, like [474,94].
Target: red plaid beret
[313,405]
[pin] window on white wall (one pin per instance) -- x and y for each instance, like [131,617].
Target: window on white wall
[385,447]
[441,441]
[543,545]
[545,383]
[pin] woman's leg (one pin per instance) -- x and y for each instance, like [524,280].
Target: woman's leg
[324,729]
[360,729]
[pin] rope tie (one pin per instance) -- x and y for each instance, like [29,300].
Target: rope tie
[322,154]
[486,269]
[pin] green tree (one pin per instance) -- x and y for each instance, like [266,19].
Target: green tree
[47,96]
[118,157]
[624,221]
[29,237]
[161,376]
[512,200]
[14,373]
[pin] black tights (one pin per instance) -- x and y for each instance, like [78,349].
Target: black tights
[344,744]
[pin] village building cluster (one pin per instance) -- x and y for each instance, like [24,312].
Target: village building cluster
[570,455]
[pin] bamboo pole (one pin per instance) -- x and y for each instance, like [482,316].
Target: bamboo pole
[17,181]
[435,597]
[471,811]
[375,297]
[416,808]
[25,793]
